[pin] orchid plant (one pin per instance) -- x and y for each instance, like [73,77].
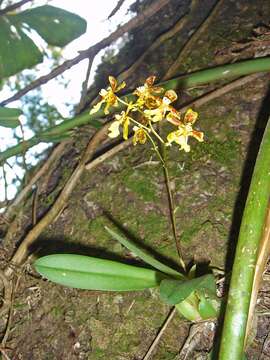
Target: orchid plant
[194,297]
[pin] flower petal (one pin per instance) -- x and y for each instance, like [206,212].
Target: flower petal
[120,86]
[103,93]
[174,117]
[190,116]
[96,107]
[150,80]
[114,129]
[139,136]
[113,82]
[198,135]
[171,95]
[125,128]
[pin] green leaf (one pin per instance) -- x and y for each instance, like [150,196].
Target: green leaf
[206,308]
[17,50]
[84,272]
[144,255]
[56,26]
[9,117]
[56,138]
[175,291]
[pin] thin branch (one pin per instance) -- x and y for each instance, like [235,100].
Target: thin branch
[9,321]
[5,183]
[91,51]
[7,286]
[108,154]
[34,206]
[192,40]
[116,8]
[160,333]
[14,6]
[82,101]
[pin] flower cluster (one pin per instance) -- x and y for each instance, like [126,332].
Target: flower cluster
[150,107]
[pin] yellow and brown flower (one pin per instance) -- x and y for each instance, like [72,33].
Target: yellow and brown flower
[185,131]
[121,120]
[139,136]
[108,96]
[159,113]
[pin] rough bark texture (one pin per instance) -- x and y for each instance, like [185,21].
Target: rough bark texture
[209,185]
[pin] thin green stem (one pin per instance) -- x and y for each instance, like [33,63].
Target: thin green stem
[155,133]
[155,148]
[171,206]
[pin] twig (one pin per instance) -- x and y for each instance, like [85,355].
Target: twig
[94,163]
[3,352]
[23,154]
[160,333]
[157,42]
[85,86]
[56,153]
[22,251]
[5,182]
[7,331]
[14,6]
[7,292]
[194,37]
[116,8]
[91,51]
[34,206]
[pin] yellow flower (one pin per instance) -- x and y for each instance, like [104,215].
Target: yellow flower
[163,107]
[108,96]
[184,131]
[122,119]
[139,135]
[147,93]
[190,117]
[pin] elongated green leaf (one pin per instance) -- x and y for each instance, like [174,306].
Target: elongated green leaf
[144,255]
[246,255]
[56,138]
[9,117]
[84,272]
[56,26]
[175,291]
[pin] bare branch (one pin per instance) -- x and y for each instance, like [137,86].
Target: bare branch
[116,8]
[91,51]
[14,6]
[85,87]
